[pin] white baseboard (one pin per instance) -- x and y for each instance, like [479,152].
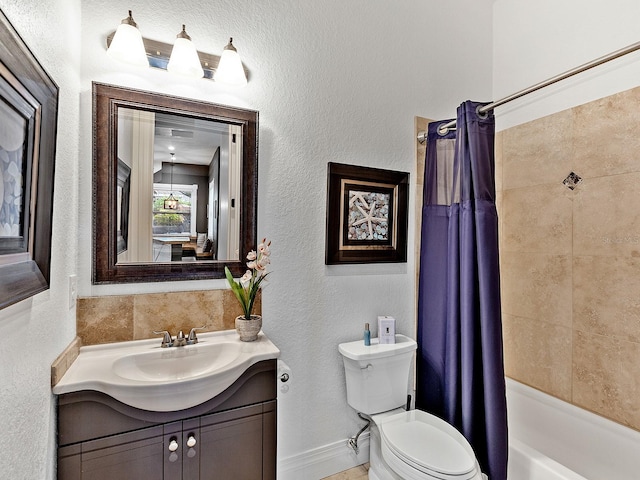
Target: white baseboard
[324,461]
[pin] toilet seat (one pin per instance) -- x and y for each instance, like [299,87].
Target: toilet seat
[418,445]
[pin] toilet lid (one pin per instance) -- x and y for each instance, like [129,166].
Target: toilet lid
[429,444]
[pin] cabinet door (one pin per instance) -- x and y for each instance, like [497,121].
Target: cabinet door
[172,451]
[191,449]
[129,456]
[231,445]
[269,440]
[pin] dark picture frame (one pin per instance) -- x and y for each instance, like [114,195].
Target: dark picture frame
[367,215]
[29,107]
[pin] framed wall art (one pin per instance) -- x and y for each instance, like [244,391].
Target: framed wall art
[367,215]
[28,117]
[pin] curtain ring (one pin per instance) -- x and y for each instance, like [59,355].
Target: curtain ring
[442,131]
[481,115]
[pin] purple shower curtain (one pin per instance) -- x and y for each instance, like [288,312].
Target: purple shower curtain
[460,364]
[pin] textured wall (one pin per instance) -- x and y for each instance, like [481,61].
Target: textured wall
[36,330]
[570,257]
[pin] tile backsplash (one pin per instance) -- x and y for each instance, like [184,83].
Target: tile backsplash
[119,318]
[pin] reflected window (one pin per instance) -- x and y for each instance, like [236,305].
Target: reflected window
[181,221]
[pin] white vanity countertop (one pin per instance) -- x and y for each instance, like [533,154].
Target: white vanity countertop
[142,374]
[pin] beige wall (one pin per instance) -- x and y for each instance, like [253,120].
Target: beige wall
[118,318]
[570,260]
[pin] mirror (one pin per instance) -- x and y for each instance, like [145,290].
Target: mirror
[175,187]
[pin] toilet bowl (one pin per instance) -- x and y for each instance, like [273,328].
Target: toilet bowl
[404,445]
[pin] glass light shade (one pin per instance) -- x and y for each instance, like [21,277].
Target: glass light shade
[184,57]
[171,203]
[230,70]
[127,46]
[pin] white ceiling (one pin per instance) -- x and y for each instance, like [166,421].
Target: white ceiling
[194,140]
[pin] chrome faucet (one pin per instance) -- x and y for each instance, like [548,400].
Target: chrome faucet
[167,341]
[192,339]
[180,340]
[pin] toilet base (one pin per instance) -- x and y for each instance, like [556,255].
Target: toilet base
[378,468]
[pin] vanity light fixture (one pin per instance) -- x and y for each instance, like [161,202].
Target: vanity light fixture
[181,57]
[127,45]
[171,203]
[230,71]
[184,57]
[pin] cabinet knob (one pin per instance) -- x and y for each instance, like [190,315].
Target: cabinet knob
[191,441]
[173,444]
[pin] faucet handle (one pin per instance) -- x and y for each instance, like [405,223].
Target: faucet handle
[167,341]
[180,340]
[192,339]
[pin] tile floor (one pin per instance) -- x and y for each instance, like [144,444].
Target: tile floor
[361,472]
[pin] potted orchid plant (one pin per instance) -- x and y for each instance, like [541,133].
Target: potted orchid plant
[247,325]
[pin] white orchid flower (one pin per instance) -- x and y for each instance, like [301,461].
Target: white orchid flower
[246,277]
[263,248]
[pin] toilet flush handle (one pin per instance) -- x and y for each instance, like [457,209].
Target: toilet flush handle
[368,368]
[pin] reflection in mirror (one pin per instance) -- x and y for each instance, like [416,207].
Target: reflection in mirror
[175,187]
[195,162]
[123,196]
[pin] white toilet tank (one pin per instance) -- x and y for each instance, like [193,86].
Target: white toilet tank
[377,375]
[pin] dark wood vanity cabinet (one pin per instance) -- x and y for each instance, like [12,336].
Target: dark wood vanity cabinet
[232,436]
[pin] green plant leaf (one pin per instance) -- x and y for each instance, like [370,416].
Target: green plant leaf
[240,294]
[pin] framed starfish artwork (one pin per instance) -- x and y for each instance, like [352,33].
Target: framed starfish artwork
[366,215]
[28,120]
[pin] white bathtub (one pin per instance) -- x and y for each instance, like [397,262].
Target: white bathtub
[553,440]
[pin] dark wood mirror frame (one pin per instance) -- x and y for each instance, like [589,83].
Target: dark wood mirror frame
[106,101]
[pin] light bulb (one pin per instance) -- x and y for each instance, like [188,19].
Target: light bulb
[230,70]
[127,45]
[184,57]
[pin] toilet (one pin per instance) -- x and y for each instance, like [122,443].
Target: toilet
[404,444]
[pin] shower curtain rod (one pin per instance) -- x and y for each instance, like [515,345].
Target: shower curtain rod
[422,136]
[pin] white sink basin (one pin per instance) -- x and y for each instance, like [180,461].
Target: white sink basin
[176,363]
[144,375]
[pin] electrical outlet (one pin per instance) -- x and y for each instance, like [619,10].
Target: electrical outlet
[73,291]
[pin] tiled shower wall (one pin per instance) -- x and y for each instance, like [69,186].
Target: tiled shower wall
[570,259]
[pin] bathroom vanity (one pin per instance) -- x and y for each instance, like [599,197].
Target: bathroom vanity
[232,435]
